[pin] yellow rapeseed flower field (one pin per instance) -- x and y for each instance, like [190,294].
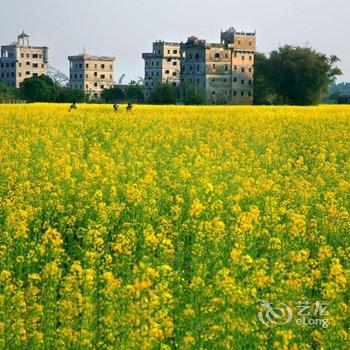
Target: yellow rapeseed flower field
[166,227]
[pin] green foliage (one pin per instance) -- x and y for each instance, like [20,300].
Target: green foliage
[164,94]
[39,89]
[113,94]
[335,91]
[8,94]
[67,94]
[293,75]
[193,95]
[134,92]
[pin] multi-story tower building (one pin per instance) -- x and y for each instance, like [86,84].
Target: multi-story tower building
[92,74]
[223,72]
[19,61]
[162,65]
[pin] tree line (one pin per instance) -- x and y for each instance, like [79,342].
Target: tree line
[290,75]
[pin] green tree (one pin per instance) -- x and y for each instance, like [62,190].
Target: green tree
[264,89]
[67,94]
[113,94]
[294,75]
[7,93]
[39,89]
[193,95]
[164,94]
[134,92]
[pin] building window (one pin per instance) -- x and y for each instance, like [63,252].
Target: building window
[242,93]
[250,69]
[175,52]
[235,79]
[22,55]
[102,87]
[239,42]
[35,65]
[19,74]
[95,84]
[242,82]
[80,65]
[157,63]
[28,63]
[87,65]
[235,67]
[35,74]
[111,77]
[249,93]
[213,92]
[197,56]
[174,83]
[250,82]
[250,58]
[243,57]
[175,63]
[102,66]
[242,69]
[152,63]
[214,66]
[226,55]
[81,76]
[226,68]
[250,43]
[27,55]
[40,55]
[27,73]
[168,51]
[167,71]
[198,80]
[103,76]
[95,74]
[217,55]
[174,74]
[111,66]
[87,86]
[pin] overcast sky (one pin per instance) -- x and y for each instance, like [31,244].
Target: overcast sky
[126,28]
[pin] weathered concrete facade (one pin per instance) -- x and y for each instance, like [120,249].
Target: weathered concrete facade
[92,74]
[162,65]
[223,72]
[19,61]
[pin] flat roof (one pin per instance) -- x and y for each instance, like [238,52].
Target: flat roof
[91,57]
[15,45]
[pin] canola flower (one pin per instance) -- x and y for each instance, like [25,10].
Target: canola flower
[164,227]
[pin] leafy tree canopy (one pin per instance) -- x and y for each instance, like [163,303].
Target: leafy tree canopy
[293,75]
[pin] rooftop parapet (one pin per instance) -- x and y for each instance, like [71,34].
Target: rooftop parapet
[91,58]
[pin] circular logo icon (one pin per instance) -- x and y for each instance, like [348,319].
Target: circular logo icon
[275,313]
